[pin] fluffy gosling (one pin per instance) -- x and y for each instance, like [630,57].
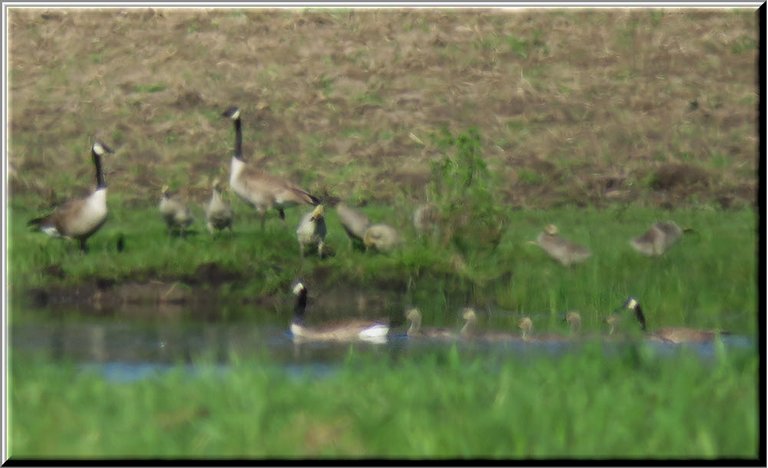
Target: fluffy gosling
[218,212]
[311,231]
[175,212]
[381,237]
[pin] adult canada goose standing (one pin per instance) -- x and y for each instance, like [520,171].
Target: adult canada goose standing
[354,223]
[657,239]
[671,334]
[413,315]
[256,187]
[175,212]
[311,231]
[355,330]
[80,218]
[381,237]
[562,250]
[218,212]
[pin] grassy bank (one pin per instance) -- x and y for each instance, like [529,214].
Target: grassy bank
[589,404]
[708,280]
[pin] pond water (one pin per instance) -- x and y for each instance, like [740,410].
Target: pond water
[129,349]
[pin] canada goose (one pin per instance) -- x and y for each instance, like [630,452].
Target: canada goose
[562,250]
[218,212]
[671,334]
[354,223]
[256,187]
[356,330]
[426,218]
[413,315]
[311,231]
[80,218]
[175,212]
[382,237]
[657,239]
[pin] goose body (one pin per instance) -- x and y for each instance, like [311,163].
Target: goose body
[381,237]
[562,250]
[671,334]
[311,231]
[657,239]
[80,218]
[258,188]
[174,211]
[355,330]
[413,315]
[354,223]
[218,212]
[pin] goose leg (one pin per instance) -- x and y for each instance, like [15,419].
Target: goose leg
[282,214]
[83,247]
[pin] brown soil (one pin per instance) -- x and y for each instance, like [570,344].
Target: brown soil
[583,107]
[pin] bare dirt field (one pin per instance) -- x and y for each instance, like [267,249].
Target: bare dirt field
[583,107]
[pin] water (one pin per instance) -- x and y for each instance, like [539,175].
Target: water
[126,350]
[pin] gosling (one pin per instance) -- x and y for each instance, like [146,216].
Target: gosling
[218,212]
[175,212]
[657,239]
[311,231]
[562,250]
[413,315]
[354,223]
[381,237]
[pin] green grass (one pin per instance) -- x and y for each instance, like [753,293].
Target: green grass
[445,404]
[708,280]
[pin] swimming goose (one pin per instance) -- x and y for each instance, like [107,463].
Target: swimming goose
[175,212]
[562,250]
[671,334]
[657,239]
[354,223]
[381,237]
[573,319]
[356,330]
[413,315]
[218,212]
[525,325]
[311,231]
[257,188]
[80,218]
[469,330]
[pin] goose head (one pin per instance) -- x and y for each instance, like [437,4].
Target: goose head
[100,148]
[632,304]
[551,229]
[317,213]
[232,112]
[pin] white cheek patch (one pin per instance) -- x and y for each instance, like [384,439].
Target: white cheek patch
[298,288]
[236,114]
[98,149]
[632,303]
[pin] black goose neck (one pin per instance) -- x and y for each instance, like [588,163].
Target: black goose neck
[640,317]
[300,307]
[238,139]
[100,181]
